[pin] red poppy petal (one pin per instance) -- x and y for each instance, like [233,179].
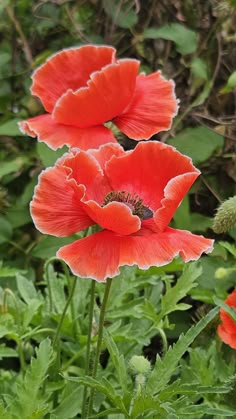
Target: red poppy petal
[115,216]
[147,249]
[105,152]
[108,93]
[226,337]
[68,69]
[96,256]
[229,324]
[57,135]
[56,208]
[84,169]
[148,170]
[175,191]
[100,255]
[152,108]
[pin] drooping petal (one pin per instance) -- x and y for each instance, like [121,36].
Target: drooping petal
[115,216]
[84,169]
[108,93]
[148,170]
[56,208]
[100,255]
[152,108]
[96,256]
[57,135]
[147,249]
[226,336]
[68,69]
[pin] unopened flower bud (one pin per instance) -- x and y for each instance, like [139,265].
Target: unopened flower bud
[221,273]
[225,217]
[140,365]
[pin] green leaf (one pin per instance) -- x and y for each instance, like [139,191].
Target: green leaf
[230,85]
[164,368]
[70,406]
[199,69]
[6,352]
[30,400]
[122,14]
[145,404]
[198,143]
[49,245]
[184,284]
[184,38]
[11,166]
[10,128]
[5,230]
[48,156]
[104,387]
[117,360]
[229,246]
[231,311]
[204,409]
[26,288]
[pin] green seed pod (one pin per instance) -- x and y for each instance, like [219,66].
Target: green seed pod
[225,217]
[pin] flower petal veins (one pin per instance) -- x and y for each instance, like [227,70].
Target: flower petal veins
[122,195]
[83,88]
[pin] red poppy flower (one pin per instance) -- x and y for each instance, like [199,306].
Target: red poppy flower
[131,195]
[227,330]
[82,88]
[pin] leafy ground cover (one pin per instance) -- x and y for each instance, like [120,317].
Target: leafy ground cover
[161,355]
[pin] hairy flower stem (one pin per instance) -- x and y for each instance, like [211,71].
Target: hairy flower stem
[87,366]
[99,342]
[68,302]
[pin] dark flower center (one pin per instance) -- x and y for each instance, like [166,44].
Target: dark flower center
[134,202]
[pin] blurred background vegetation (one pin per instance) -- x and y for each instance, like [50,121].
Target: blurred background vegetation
[192,42]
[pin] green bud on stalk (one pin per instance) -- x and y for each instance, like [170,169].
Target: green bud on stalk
[225,217]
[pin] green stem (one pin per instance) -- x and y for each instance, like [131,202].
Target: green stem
[87,367]
[99,341]
[71,293]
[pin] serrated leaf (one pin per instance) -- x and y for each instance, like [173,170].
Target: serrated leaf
[185,39]
[198,143]
[145,404]
[164,368]
[30,402]
[117,359]
[104,387]
[184,284]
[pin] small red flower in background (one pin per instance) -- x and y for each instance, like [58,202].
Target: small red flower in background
[131,195]
[227,330]
[82,88]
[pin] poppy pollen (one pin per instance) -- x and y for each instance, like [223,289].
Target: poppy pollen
[134,202]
